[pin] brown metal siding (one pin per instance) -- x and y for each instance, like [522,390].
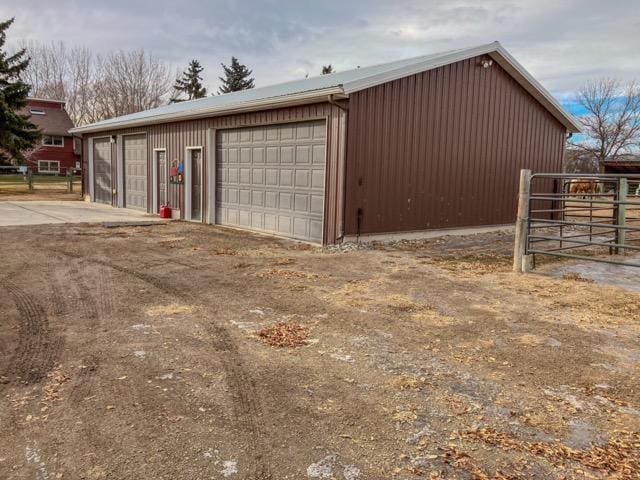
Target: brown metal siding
[443,149]
[175,137]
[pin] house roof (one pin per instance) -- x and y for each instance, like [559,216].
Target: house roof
[339,84]
[55,120]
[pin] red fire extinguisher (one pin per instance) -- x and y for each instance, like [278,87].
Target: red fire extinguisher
[165,211]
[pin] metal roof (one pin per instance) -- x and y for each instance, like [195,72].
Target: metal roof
[340,84]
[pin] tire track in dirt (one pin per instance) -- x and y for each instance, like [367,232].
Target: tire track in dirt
[83,385]
[247,408]
[58,294]
[37,348]
[96,308]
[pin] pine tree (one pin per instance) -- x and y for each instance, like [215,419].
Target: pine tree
[190,83]
[236,77]
[17,133]
[326,69]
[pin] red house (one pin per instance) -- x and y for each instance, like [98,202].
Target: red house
[58,149]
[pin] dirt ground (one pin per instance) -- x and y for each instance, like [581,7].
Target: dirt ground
[140,353]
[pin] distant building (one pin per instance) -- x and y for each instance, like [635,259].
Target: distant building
[58,150]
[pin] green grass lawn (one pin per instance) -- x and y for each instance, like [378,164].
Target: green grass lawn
[17,179]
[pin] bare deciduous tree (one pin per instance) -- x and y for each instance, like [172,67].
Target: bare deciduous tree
[97,87]
[612,119]
[576,160]
[129,82]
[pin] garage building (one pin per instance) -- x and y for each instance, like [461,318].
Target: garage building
[432,142]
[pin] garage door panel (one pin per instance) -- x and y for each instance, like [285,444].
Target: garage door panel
[272,133]
[258,155]
[303,132]
[303,154]
[135,171]
[271,176]
[318,154]
[245,135]
[281,169]
[286,178]
[257,198]
[316,229]
[317,179]
[273,154]
[301,202]
[302,178]
[285,201]
[284,224]
[286,155]
[286,133]
[258,176]
[271,199]
[319,132]
[317,204]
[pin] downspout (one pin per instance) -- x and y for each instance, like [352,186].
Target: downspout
[340,228]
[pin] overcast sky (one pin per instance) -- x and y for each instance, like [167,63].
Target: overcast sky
[562,42]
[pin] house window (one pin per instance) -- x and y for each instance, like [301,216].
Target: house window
[53,140]
[48,166]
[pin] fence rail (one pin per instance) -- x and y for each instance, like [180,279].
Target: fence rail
[588,217]
[28,182]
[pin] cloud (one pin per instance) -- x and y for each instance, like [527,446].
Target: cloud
[563,43]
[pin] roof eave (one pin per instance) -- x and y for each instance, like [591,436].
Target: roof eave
[266,103]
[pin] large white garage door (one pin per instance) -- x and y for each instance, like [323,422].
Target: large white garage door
[271,178]
[135,171]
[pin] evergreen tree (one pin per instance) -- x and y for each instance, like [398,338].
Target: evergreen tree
[326,69]
[190,83]
[236,77]
[17,133]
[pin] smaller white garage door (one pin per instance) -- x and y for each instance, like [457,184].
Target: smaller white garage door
[271,178]
[135,171]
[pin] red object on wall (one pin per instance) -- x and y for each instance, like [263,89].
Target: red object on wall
[165,211]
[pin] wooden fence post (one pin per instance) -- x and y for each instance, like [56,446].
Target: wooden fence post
[30,180]
[521,264]
[621,219]
[69,181]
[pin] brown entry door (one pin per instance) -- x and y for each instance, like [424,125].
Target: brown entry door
[161,160]
[196,185]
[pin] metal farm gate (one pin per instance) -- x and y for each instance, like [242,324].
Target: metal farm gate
[586,217]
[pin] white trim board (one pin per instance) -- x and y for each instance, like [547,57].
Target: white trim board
[91,170]
[188,172]
[211,175]
[154,178]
